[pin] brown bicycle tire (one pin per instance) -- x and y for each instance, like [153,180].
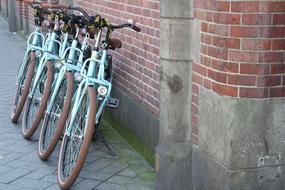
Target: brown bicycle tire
[15,114]
[44,154]
[85,145]
[27,134]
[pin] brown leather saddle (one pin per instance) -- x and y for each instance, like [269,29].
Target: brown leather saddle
[115,43]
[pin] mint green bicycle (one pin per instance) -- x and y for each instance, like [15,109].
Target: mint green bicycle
[36,45]
[60,99]
[89,101]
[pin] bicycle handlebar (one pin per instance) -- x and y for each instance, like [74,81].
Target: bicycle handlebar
[80,10]
[130,25]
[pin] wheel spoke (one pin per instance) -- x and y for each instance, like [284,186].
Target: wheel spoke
[51,120]
[74,141]
[35,100]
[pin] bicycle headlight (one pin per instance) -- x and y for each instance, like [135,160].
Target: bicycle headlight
[102,90]
[78,77]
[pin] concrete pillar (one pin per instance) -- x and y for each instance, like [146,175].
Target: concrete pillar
[241,89]
[173,152]
[19,15]
[6,8]
[12,16]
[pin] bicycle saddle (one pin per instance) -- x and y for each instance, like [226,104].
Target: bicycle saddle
[115,43]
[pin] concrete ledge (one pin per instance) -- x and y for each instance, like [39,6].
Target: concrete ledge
[136,118]
[242,133]
[241,143]
[208,174]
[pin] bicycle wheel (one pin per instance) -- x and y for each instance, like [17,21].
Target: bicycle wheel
[51,128]
[23,87]
[36,104]
[75,147]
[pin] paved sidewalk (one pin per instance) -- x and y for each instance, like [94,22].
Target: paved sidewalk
[20,167]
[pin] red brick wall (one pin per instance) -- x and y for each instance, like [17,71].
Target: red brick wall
[136,64]
[242,50]
[19,7]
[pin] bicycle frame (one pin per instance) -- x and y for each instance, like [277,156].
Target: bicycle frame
[35,42]
[49,54]
[91,79]
[68,66]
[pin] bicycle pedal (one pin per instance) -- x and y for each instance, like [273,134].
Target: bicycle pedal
[113,103]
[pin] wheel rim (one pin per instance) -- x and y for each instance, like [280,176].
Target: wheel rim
[51,119]
[34,101]
[20,86]
[73,143]
[17,98]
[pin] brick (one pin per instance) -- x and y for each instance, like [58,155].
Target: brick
[279,19]
[209,16]
[231,67]
[223,42]
[199,69]
[278,44]
[207,83]
[277,68]
[257,69]
[243,31]
[244,80]
[217,76]
[272,32]
[194,119]
[269,57]
[272,6]
[208,39]
[222,6]
[226,18]
[222,30]
[224,89]
[197,79]
[243,56]
[194,109]
[195,88]
[195,129]
[199,14]
[256,44]
[268,81]
[202,37]
[204,27]
[195,99]
[200,4]
[204,49]
[245,7]
[277,92]
[256,19]
[253,92]
[218,53]
[207,61]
